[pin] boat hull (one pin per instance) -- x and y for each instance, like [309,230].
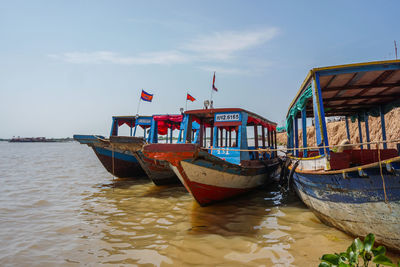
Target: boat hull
[122,164]
[208,178]
[119,163]
[159,171]
[354,202]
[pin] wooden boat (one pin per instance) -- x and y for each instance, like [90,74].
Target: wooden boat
[357,190]
[227,168]
[118,162]
[157,170]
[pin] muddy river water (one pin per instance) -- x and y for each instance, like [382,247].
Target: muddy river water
[59,207]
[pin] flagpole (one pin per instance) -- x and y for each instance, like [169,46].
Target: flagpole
[140,98]
[212,89]
[186,99]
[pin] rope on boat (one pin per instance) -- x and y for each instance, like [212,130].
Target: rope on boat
[112,163]
[285,150]
[383,179]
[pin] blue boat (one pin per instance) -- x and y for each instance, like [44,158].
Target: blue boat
[355,188]
[158,171]
[118,162]
[225,165]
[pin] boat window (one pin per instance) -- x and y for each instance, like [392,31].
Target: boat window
[227,137]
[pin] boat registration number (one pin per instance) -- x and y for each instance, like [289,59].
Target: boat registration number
[227,117]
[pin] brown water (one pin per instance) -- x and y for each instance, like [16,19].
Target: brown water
[59,207]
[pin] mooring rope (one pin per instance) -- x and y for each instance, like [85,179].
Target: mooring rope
[299,148]
[383,179]
[112,163]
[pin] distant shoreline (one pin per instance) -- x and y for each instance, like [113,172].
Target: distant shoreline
[36,140]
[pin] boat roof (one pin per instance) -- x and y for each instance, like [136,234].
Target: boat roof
[347,89]
[209,114]
[131,120]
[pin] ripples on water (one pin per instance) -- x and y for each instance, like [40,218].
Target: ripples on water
[60,207]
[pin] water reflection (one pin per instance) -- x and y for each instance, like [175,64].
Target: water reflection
[144,224]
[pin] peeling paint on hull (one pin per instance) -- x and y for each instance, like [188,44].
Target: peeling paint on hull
[355,205]
[208,178]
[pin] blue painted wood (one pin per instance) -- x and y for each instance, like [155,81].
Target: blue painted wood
[383,126]
[117,155]
[304,130]
[322,113]
[134,131]
[296,136]
[347,128]
[170,135]
[87,139]
[318,130]
[114,127]
[244,155]
[353,188]
[366,117]
[360,131]
[341,70]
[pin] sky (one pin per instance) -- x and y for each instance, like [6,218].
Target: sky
[67,67]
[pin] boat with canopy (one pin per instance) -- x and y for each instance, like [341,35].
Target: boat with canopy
[223,165]
[119,162]
[353,187]
[162,128]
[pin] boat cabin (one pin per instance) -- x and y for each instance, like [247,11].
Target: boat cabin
[153,126]
[232,134]
[347,92]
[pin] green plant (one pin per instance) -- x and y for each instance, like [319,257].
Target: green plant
[358,249]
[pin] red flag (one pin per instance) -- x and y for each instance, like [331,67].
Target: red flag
[146,96]
[214,88]
[189,97]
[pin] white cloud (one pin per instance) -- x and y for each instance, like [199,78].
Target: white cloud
[222,46]
[98,57]
[219,46]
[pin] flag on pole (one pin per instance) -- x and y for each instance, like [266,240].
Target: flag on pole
[189,97]
[213,86]
[146,96]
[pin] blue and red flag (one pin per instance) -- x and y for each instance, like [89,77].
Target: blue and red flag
[213,86]
[146,96]
[189,97]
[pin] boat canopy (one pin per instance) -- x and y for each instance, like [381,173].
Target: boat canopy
[207,116]
[131,121]
[354,90]
[165,122]
[351,90]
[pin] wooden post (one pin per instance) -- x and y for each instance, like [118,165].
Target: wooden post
[201,134]
[269,138]
[188,137]
[256,140]
[367,130]
[383,126]
[263,136]
[221,137]
[226,138]
[211,135]
[296,136]
[359,130]
[347,128]
[276,145]
[304,130]
[230,136]
[204,144]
